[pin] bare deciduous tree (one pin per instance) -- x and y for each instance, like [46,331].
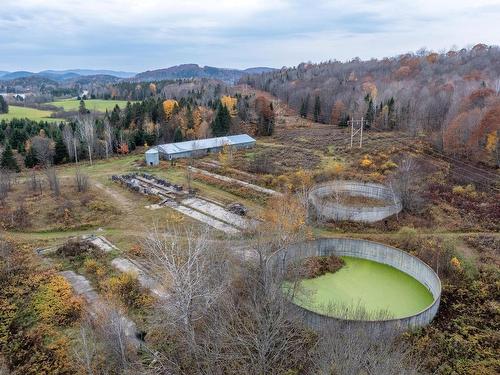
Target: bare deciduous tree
[86,130]
[44,149]
[71,141]
[108,132]
[5,184]
[53,181]
[34,185]
[351,350]
[81,181]
[86,352]
[194,269]
[404,183]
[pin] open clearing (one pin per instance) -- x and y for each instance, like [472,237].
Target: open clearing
[92,105]
[29,113]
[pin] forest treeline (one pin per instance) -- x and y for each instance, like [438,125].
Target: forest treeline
[452,97]
[196,115]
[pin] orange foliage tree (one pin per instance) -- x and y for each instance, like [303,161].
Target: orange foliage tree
[338,110]
[169,107]
[284,220]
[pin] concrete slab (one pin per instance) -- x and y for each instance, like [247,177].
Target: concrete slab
[219,212]
[83,288]
[214,223]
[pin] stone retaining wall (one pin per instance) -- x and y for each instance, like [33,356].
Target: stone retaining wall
[372,251]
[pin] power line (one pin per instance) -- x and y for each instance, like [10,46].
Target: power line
[474,175]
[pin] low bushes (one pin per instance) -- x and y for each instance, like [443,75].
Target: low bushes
[77,248]
[55,303]
[126,288]
[232,188]
[318,266]
[36,308]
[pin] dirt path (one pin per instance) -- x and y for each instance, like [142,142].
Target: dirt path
[123,201]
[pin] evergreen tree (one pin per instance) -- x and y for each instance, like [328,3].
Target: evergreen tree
[370,113]
[4,106]
[304,108]
[189,117]
[30,160]
[317,109]
[82,109]
[61,152]
[8,160]
[178,135]
[222,121]
[114,119]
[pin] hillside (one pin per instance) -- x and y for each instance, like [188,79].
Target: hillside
[196,71]
[452,97]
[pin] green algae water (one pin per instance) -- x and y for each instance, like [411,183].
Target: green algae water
[381,291]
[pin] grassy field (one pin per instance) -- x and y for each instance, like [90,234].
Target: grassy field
[30,113]
[92,105]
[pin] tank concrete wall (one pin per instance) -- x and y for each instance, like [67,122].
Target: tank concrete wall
[373,251]
[330,210]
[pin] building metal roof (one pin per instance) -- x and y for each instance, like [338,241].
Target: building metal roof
[203,144]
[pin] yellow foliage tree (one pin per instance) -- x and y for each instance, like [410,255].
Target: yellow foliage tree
[285,220]
[226,156]
[152,88]
[169,106]
[491,141]
[230,103]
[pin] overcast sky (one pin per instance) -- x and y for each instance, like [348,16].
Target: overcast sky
[136,35]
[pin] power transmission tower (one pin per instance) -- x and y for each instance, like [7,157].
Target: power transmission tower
[357,127]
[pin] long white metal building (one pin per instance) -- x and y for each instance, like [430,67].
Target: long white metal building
[196,148]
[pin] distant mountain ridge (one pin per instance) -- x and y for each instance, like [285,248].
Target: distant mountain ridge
[62,75]
[183,71]
[186,71]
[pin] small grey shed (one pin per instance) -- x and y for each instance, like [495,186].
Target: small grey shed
[152,157]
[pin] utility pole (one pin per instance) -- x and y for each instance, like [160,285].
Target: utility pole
[359,125]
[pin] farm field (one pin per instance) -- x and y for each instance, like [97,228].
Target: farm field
[92,105]
[30,113]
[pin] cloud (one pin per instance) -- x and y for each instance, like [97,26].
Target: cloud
[144,34]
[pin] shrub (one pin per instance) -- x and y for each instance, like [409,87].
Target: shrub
[467,191]
[126,288]
[102,207]
[268,180]
[388,165]
[55,302]
[366,162]
[317,266]
[75,248]
[93,267]
[409,238]
[21,218]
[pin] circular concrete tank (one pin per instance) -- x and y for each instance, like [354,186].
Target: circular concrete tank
[368,250]
[325,206]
